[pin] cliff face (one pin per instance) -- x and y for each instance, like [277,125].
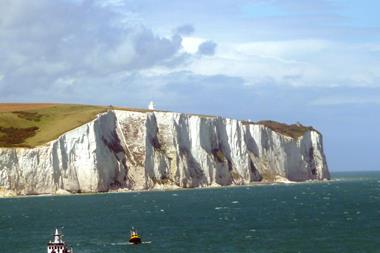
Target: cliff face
[144,150]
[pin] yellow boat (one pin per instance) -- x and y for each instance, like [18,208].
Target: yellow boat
[135,237]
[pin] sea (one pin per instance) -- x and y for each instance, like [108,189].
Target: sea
[342,215]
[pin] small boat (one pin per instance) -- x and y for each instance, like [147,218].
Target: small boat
[58,245]
[135,237]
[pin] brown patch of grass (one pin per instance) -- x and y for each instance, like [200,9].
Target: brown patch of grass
[294,130]
[247,123]
[32,116]
[268,176]
[218,155]
[235,176]
[9,107]
[11,136]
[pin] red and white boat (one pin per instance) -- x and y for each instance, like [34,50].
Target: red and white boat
[58,245]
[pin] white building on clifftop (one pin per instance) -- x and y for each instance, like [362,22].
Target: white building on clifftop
[151,105]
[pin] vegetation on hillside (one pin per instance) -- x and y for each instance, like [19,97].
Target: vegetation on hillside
[293,130]
[30,125]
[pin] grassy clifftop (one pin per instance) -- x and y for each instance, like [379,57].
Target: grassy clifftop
[30,125]
[294,130]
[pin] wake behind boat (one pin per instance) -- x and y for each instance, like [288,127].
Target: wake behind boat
[58,245]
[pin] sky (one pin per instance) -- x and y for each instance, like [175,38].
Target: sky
[316,62]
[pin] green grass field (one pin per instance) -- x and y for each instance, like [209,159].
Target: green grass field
[30,125]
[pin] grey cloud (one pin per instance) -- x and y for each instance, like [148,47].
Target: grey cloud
[152,49]
[207,48]
[45,41]
[185,30]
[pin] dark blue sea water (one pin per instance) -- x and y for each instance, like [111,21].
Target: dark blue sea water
[338,216]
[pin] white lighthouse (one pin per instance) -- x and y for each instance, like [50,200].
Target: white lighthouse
[58,245]
[151,105]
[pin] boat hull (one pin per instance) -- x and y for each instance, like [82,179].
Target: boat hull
[135,240]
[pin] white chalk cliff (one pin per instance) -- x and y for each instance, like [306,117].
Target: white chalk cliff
[145,150]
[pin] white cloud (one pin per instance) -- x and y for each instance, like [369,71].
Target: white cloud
[191,44]
[296,63]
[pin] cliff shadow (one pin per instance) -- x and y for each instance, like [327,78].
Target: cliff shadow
[254,154]
[190,167]
[225,173]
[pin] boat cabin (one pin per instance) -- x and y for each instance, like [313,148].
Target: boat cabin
[58,245]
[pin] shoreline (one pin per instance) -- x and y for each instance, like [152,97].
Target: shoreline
[6,194]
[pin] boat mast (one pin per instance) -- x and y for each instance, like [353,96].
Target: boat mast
[57,236]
